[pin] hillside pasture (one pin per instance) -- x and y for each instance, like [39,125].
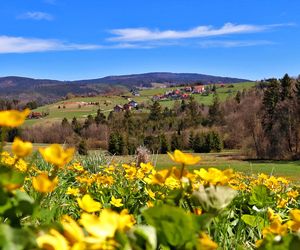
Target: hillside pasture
[80,107]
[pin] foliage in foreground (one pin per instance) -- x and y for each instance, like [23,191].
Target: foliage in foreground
[57,203]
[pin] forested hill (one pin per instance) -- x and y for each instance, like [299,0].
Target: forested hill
[47,90]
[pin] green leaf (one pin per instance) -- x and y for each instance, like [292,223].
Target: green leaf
[173,226]
[202,221]
[3,197]
[260,197]
[11,176]
[15,239]
[144,237]
[253,221]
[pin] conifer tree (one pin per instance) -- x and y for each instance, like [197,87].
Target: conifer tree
[215,114]
[100,118]
[155,111]
[113,144]
[164,145]
[286,87]
[82,148]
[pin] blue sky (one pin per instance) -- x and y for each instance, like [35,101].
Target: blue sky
[81,39]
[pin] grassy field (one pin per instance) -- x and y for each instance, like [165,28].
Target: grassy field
[74,107]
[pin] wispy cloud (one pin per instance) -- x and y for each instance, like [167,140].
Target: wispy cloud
[36,15]
[145,34]
[9,44]
[232,44]
[18,45]
[143,39]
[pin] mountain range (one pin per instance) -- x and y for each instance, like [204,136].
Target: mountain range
[47,90]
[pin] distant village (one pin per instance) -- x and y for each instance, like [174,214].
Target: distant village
[180,94]
[174,94]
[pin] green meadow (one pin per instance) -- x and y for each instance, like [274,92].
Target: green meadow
[75,108]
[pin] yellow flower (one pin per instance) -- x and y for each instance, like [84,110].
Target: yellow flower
[56,155]
[159,177]
[88,204]
[293,194]
[72,231]
[206,243]
[13,118]
[272,216]
[21,165]
[126,220]
[282,203]
[21,148]
[275,228]
[116,202]
[186,159]
[146,168]
[214,176]
[52,241]
[73,191]
[150,193]
[294,224]
[43,184]
[101,227]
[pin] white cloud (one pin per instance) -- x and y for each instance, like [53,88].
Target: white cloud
[232,44]
[145,34]
[10,44]
[36,15]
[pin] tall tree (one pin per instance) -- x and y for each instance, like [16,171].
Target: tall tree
[286,87]
[155,111]
[270,101]
[215,114]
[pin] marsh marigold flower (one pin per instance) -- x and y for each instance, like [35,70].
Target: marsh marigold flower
[214,176]
[294,224]
[21,148]
[88,204]
[56,155]
[72,231]
[206,242]
[13,118]
[43,184]
[101,227]
[182,158]
[73,191]
[54,241]
[116,202]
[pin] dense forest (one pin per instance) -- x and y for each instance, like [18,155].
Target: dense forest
[264,122]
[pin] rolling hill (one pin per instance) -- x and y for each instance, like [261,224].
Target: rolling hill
[47,90]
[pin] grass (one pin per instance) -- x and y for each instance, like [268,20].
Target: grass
[107,103]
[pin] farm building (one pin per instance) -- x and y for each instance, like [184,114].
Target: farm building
[118,108]
[199,89]
[133,104]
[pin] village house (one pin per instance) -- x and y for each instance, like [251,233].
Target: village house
[118,108]
[187,89]
[199,89]
[133,104]
[127,107]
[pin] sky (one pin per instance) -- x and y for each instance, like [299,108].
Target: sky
[85,39]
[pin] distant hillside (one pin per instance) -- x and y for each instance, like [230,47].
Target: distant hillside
[46,90]
[162,77]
